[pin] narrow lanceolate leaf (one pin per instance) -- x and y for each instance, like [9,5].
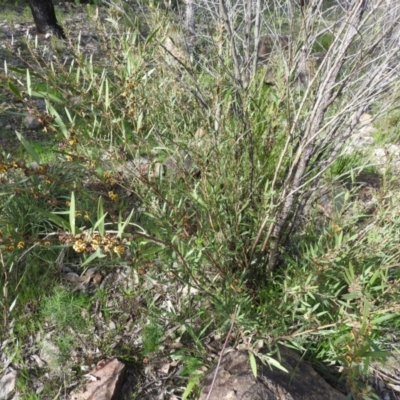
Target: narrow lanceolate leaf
[13,304]
[275,363]
[100,217]
[96,254]
[15,90]
[28,148]
[61,222]
[28,83]
[151,36]
[122,226]
[107,102]
[189,388]
[253,364]
[58,120]
[72,214]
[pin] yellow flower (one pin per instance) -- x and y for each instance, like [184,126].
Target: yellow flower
[109,179]
[3,168]
[79,246]
[47,243]
[78,215]
[119,250]
[73,141]
[21,245]
[48,181]
[90,164]
[67,203]
[336,228]
[10,248]
[86,217]
[68,158]
[113,196]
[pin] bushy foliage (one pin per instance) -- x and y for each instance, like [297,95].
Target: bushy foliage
[199,172]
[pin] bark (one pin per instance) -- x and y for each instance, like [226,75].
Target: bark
[45,17]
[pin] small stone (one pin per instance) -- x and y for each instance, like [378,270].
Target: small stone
[76,100]
[180,163]
[393,150]
[49,353]
[105,382]
[40,104]
[32,122]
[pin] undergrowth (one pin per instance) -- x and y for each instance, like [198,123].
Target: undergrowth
[169,169]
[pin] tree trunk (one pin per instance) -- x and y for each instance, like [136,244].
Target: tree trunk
[45,17]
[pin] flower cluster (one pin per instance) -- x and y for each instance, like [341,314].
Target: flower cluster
[27,169]
[113,196]
[89,242]
[9,243]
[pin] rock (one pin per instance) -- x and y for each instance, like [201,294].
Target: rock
[387,156]
[362,140]
[180,163]
[106,382]
[32,122]
[7,385]
[235,380]
[332,202]
[49,352]
[141,167]
[175,53]
[40,104]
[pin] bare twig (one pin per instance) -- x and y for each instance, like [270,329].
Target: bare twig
[222,353]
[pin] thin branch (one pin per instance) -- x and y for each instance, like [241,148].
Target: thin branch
[222,353]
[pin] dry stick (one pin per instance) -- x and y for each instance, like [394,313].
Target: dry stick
[303,155]
[257,26]
[222,353]
[225,18]
[246,43]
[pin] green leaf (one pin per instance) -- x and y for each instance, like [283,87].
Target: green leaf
[14,90]
[13,304]
[122,227]
[139,122]
[275,363]
[100,217]
[58,120]
[72,214]
[28,83]
[375,354]
[151,36]
[253,364]
[28,148]
[383,318]
[61,222]
[18,70]
[189,388]
[107,102]
[47,95]
[96,254]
